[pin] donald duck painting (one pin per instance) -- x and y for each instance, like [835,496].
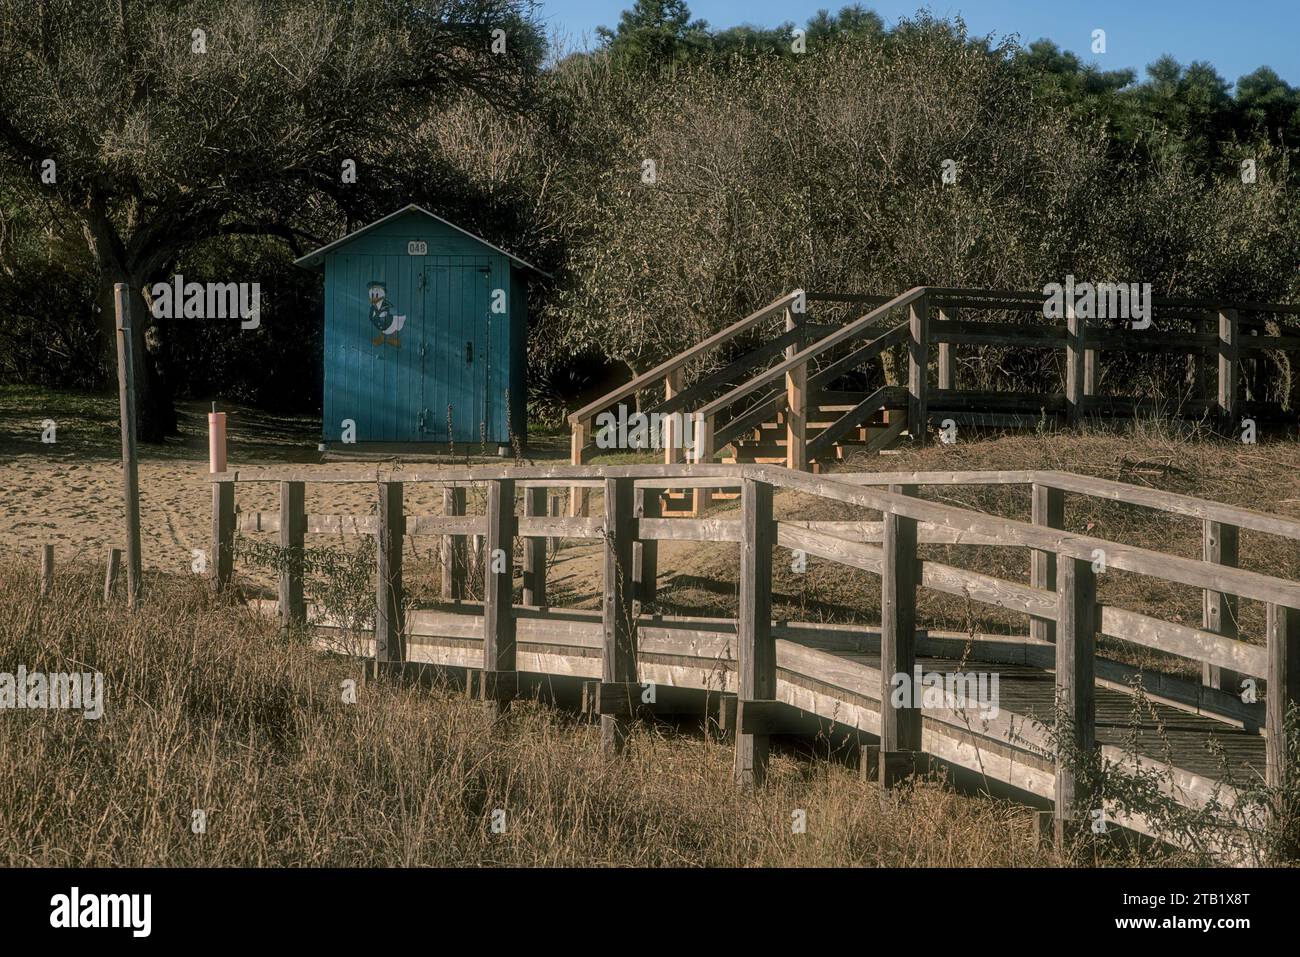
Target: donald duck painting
[382,318]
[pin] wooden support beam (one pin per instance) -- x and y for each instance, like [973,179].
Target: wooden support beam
[1048,510]
[1228,361]
[703,455]
[615,698]
[223,535]
[723,718]
[1282,695]
[473,683]
[645,556]
[1219,615]
[455,556]
[900,727]
[499,645]
[619,642]
[1076,638]
[1076,345]
[947,361]
[887,768]
[796,390]
[47,569]
[111,573]
[122,303]
[918,369]
[535,551]
[579,497]
[755,643]
[671,435]
[293,528]
[764,717]
[390,630]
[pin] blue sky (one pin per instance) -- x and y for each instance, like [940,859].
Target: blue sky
[1235,36]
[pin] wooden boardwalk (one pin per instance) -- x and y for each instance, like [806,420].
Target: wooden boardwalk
[779,678]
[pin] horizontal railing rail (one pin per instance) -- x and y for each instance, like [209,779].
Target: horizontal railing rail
[1226,342]
[1061,600]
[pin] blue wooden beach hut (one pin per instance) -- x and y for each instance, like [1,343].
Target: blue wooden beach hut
[426,333]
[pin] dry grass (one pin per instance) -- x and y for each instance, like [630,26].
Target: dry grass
[208,708]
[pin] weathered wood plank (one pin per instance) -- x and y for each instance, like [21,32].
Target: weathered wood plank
[1076,638]
[648,379]
[1048,510]
[293,522]
[1283,694]
[900,726]
[645,559]
[534,549]
[755,644]
[618,626]
[223,535]
[499,635]
[455,560]
[918,375]
[389,598]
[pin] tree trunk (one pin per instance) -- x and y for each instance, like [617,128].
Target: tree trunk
[155,412]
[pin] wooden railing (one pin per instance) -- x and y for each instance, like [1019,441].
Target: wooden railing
[817,357]
[1060,601]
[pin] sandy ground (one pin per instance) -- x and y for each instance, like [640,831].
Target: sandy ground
[70,494]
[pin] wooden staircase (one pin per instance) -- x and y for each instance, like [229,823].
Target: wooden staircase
[768,443]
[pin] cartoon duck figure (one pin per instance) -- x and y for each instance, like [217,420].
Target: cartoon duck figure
[382,318]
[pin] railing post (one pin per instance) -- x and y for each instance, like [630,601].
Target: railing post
[796,393]
[47,569]
[111,572]
[535,550]
[619,645]
[1076,638]
[1048,510]
[1220,609]
[455,548]
[1076,346]
[645,560]
[900,726]
[918,370]
[389,598]
[1228,358]
[1283,691]
[223,534]
[703,454]
[579,498]
[293,526]
[672,437]
[755,644]
[500,670]
[947,362]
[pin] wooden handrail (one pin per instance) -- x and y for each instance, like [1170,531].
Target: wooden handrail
[842,335]
[653,377]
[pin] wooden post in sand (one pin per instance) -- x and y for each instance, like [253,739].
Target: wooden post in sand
[110,573]
[47,569]
[130,475]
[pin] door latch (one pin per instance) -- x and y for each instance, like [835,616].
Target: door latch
[469,352]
